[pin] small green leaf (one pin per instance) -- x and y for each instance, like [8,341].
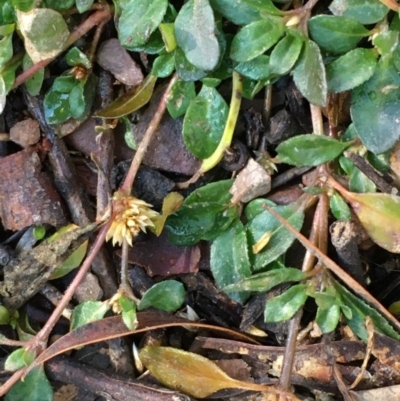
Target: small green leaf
[310,150]
[374,108]
[168,295]
[168,36]
[76,57]
[18,359]
[351,70]
[163,65]
[3,94]
[309,74]
[59,5]
[263,282]
[359,182]
[336,34]
[77,103]
[128,136]
[23,5]
[339,207]
[186,70]
[87,312]
[131,100]
[64,83]
[284,306]
[33,84]
[236,11]
[364,11]
[34,387]
[195,34]
[4,315]
[44,31]
[138,20]
[328,319]
[6,30]
[264,6]
[258,68]
[229,259]
[84,5]
[280,239]
[204,122]
[386,42]
[128,312]
[179,98]
[56,107]
[285,54]
[6,49]
[39,232]
[254,39]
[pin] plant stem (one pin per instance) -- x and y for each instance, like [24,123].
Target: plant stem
[151,129]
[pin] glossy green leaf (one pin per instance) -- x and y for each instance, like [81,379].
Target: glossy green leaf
[6,49]
[280,239]
[263,282]
[339,208]
[351,70]
[138,20]
[205,214]
[256,207]
[34,387]
[386,42]
[128,312]
[59,5]
[163,65]
[56,106]
[77,102]
[186,70]
[229,259]
[3,94]
[285,54]
[64,83]
[7,13]
[359,182]
[236,11]
[374,108]
[155,44]
[168,36]
[83,5]
[87,312]
[76,57]
[264,6]
[310,150]
[359,311]
[4,315]
[258,68]
[6,30]
[180,96]
[255,38]
[195,34]
[18,359]
[309,74]
[284,306]
[364,11]
[23,5]
[39,232]
[131,101]
[44,31]
[33,84]
[168,295]
[204,122]
[336,34]
[328,319]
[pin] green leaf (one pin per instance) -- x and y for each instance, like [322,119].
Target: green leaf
[364,11]
[236,11]
[168,295]
[195,34]
[386,42]
[87,312]
[138,20]
[229,260]
[33,84]
[4,315]
[18,359]
[264,6]
[351,70]
[84,5]
[280,239]
[59,5]
[336,34]
[168,36]
[255,38]
[35,387]
[64,83]
[7,13]
[3,94]
[328,319]
[310,150]
[258,68]
[56,107]
[263,282]
[76,57]
[23,5]
[374,108]
[186,70]
[204,122]
[6,49]
[128,312]
[339,207]
[256,207]
[359,311]
[205,214]
[309,74]
[163,65]
[284,306]
[131,101]
[285,54]
[179,98]
[359,182]
[39,232]
[6,30]
[77,103]
[44,31]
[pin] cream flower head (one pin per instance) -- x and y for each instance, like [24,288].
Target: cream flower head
[130,215]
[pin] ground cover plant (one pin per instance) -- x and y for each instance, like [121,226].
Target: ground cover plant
[205,190]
